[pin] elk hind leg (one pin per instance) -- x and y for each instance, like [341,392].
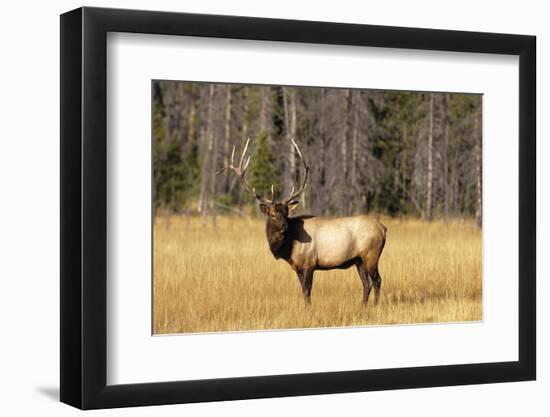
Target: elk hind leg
[377,281]
[374,274]
[366,280]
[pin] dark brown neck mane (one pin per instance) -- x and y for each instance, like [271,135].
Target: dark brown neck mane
[281,241]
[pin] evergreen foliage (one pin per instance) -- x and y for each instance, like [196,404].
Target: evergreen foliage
[263,172]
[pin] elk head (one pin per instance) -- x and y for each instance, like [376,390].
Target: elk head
[277,212]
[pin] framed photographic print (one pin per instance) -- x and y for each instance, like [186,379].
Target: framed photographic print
[257,207]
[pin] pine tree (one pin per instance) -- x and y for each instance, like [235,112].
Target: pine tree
[173,175]
[263,172]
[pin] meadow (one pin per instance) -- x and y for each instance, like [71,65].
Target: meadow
[210,279]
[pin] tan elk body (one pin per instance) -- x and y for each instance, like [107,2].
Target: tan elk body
[311,243]
[335,241]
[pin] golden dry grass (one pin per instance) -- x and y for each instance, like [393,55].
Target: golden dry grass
[225,279]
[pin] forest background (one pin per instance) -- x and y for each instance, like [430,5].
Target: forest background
[389,152]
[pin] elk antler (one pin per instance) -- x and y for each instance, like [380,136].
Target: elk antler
[240,171]
[293,194]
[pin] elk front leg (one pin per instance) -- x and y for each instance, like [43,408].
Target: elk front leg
[308,278]
[306,282]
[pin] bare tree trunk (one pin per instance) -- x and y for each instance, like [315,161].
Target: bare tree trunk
[403,183]
[227,134]
[446,156]
[322,192]
[354,138]
[191,124]
[202,203]
[430,159]
[245,116]
[354,150]
[214,157]
[289,99]
[264,113]
[292,153]
[244,135]
[477,151]
[344,134]
[454,185]
[206,165]
[344,122]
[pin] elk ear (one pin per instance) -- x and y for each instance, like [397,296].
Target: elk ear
[264,209]
[292,205]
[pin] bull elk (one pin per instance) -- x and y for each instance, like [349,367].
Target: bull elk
[310,243]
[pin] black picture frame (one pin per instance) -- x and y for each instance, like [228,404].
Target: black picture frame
[84,207]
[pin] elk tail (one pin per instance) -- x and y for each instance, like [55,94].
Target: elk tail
[383,229]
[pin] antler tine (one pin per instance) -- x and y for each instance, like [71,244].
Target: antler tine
[244,153]
[297,148]
[306,167]
[233,155]
[293,194]
[230,166]
[272,193]
[246,164]
[240,170]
